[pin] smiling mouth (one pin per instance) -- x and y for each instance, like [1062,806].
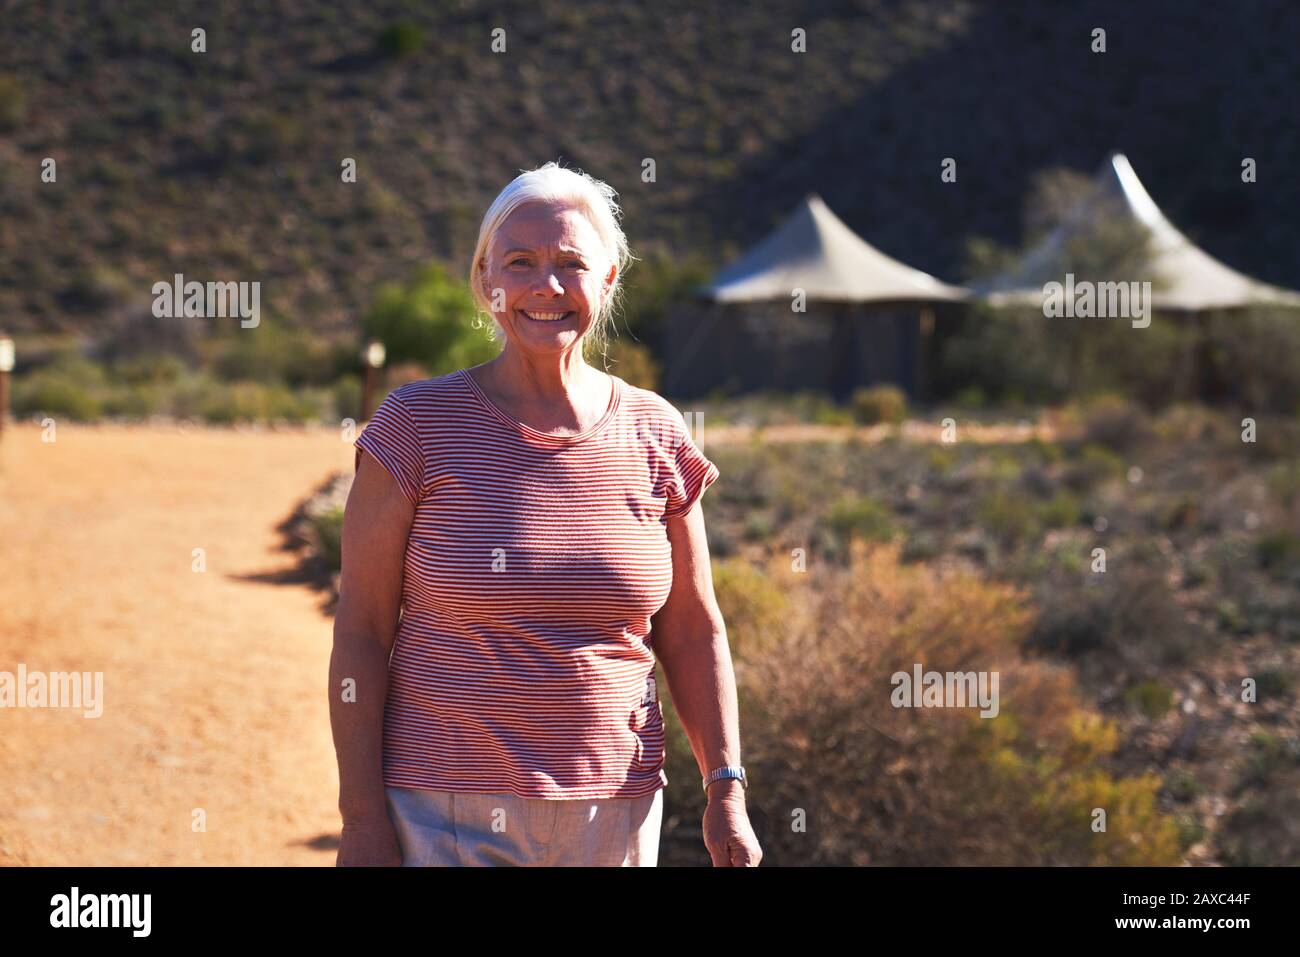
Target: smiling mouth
[545,316]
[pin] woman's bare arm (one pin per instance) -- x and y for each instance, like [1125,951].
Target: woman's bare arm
[376,523]
[690,640]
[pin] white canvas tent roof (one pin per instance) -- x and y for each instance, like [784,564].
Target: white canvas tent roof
[1193,280]
[813,250]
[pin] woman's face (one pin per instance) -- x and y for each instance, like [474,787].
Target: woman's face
[549,263]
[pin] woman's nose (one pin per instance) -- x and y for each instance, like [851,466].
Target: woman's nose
[552,283]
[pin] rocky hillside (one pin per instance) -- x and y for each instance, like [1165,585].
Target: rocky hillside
[225,164]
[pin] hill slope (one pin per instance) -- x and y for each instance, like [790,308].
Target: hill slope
[226,164]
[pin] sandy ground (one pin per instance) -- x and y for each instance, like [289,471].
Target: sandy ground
[214,682]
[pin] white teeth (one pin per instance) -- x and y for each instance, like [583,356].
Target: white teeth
[546,316]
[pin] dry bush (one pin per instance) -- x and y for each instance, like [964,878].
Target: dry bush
[1115,422]
[929,786]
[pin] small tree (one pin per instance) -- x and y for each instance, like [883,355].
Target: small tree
[428,320]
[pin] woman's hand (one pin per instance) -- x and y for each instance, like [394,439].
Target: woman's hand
[369,843]
[727,832]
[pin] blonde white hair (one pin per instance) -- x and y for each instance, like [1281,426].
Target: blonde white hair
[558,185]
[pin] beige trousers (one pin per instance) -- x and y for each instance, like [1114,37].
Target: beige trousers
[460,828]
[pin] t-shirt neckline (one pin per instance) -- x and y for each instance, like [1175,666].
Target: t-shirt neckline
[616,393]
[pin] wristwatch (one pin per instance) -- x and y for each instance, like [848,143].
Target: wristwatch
[730,771]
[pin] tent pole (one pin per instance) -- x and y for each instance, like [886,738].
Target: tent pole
[926,323]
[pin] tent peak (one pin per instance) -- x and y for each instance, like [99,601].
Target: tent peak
[1193,280]
[814,250]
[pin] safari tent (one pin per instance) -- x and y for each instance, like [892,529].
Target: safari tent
[867,318]
[1190,280]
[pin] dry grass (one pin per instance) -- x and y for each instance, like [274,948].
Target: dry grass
[877,784]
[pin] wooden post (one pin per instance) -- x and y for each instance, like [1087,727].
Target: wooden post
[373,357]
[926,323]
[6,366]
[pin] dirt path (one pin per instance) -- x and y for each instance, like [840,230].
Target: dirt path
[214,691]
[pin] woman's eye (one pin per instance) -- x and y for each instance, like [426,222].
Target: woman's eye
[516,261]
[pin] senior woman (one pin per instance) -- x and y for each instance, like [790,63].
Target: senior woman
[537,523]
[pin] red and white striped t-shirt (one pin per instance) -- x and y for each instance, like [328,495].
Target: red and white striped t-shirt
[532,569]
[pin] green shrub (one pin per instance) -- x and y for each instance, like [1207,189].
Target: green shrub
[1273,683]
[758,526]
[1048,453]
[13,103]
[236,402]
[657,285]
[1283,480]
[1095,464]
[751,604]
[70,385]
[856,516]
[1194,422]
[998,353]
[1151,698]
[1279,550]
[1003,464]
[1065,557]
[1267,755]
[1114,422]
[134,401]
[327,536]
[1009,516]
[274,353]
[262,136]
[1230,617]
[1258,352]
[347,397]
[941,459]
[1264,831]
[149,369]
[1061,511]
[833,415]
[400,40]
[1197,573]
[296,405]
[55,395]
[1182,786]
[228,403]
[1127,618]
[634,364]
[1190,831]
[428,321]
[879,403]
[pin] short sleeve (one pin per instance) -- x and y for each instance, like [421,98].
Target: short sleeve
[693,474]
[393,438]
